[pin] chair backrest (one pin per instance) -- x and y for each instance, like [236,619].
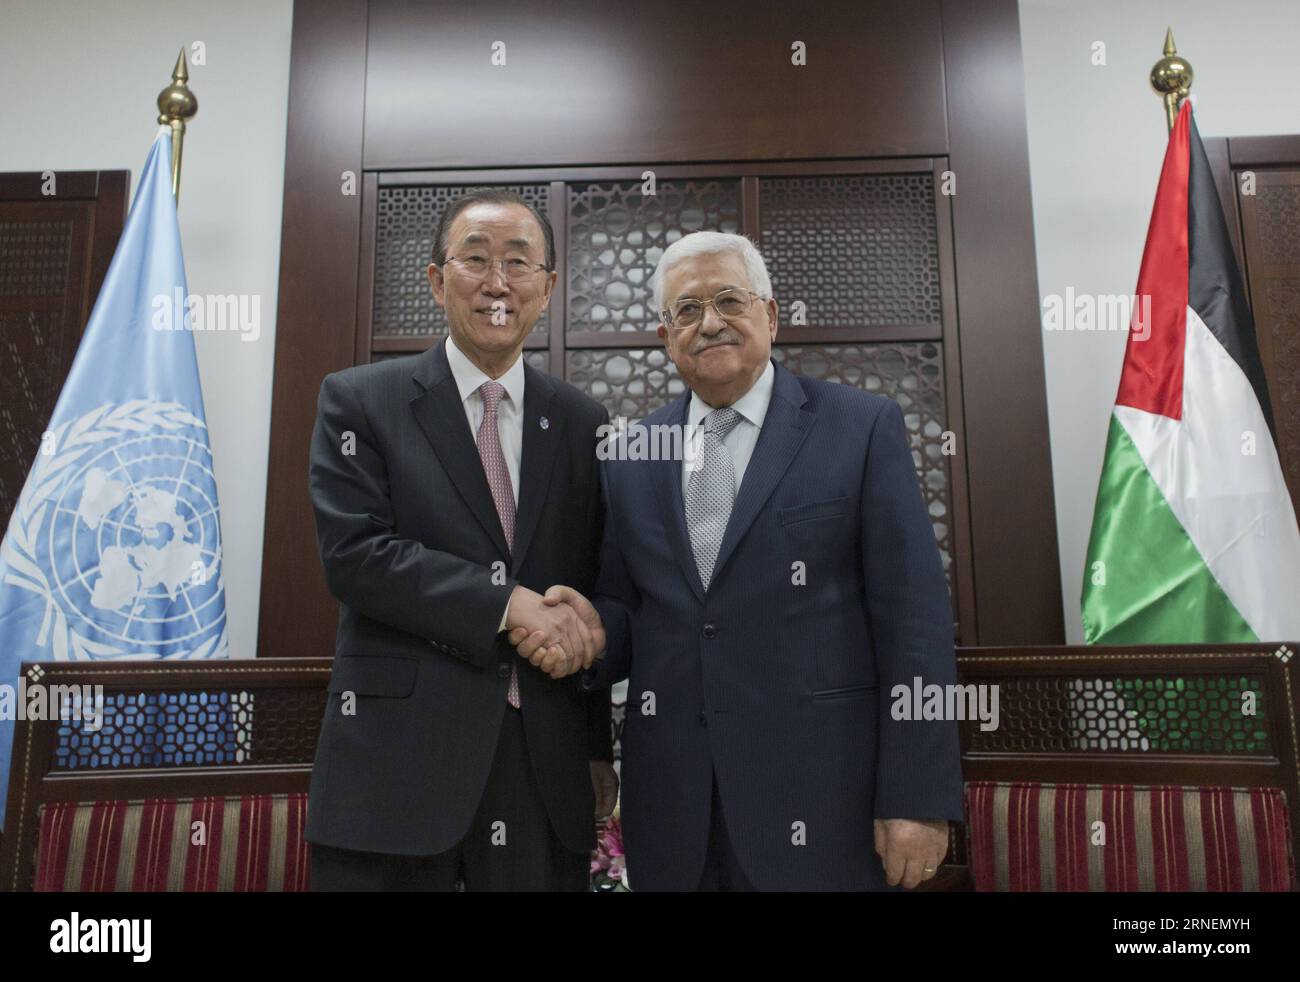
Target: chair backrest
[195,778]
[1198,742]
[1129,768]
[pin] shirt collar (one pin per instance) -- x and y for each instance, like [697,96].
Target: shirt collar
[752,405]
[469,376]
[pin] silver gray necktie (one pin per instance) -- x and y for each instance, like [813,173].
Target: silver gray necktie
[711,492]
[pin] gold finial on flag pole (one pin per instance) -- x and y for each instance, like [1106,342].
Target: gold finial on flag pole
[176,104]
[1171,78]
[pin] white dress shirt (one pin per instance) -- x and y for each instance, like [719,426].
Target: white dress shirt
[752,407]
[510,413]
[510,410]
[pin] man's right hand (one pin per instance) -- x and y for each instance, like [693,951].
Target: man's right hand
[553,658]
[561,640]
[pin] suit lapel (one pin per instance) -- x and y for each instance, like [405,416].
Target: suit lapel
[666,476]
[784,428]
[441,415]
[540,444]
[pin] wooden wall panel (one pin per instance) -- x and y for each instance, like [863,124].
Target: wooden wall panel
[590,82]
[316,313]
[55,255]
[1270,226]
[1008,457]
[596,86]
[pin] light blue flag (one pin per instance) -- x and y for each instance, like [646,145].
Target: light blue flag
[114,548]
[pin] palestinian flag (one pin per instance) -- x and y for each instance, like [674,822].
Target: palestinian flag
[1194,538]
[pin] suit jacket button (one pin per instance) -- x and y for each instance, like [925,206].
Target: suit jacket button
[710,631]
[503,670]
[704,719]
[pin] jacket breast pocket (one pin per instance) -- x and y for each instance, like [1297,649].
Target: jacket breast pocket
[846,692]
[377,675]
[813,511]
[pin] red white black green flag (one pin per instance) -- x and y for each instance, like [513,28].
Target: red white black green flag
[1194,537]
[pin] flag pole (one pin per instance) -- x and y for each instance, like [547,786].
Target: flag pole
[176,104]
[1171,77]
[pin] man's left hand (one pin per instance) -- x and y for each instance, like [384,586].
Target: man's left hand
[604,781]
[910,850]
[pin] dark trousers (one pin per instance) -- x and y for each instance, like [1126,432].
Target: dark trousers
[509,846]
[722,872]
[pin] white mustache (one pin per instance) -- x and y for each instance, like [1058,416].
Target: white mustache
[726,337]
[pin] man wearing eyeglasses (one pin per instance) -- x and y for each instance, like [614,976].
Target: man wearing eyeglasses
[449,489]
[764,599]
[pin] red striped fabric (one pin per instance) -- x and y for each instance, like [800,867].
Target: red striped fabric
[154,847]
[203,859]
[1118,807]
[1267,824]
[252,843]
[99,875]
[979,847]
[297,854]
[52,848]
[1169,839]
[1032,837]
[1070,830]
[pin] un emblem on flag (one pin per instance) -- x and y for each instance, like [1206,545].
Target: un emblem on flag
[118,530]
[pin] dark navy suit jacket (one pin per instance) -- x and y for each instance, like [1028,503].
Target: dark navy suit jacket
[413,549]
[777,682]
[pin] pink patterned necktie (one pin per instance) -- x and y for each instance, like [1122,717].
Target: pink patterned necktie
[498,478]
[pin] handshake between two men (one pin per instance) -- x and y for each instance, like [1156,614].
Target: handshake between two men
[560,631]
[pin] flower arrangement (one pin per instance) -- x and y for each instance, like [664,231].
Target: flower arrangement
[608,869]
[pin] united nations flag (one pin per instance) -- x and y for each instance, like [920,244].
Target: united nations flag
[114,548]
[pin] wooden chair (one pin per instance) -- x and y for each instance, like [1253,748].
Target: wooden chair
[196,780]
[1167,767]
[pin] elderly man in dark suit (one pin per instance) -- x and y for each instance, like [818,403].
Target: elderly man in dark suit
[449,488]
[765,598]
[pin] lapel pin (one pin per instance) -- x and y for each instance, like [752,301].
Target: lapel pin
[546,423]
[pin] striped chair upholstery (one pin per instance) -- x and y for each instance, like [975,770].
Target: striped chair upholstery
[1031,836]
[252,843]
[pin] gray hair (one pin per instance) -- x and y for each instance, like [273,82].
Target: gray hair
[708,244]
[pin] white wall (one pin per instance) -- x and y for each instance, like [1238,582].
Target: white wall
[1096,143]
[79,82]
